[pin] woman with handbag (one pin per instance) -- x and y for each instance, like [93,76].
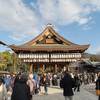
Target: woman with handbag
[31,84]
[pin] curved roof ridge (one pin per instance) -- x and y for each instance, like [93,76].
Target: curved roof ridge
[61,38]
[36,38]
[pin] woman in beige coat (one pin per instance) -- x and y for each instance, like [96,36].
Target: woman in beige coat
[32,85]
[3,91]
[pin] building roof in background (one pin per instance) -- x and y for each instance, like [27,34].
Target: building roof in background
[82,63]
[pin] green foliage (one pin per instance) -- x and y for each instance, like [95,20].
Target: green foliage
[40,69]
[7,62]
[49,69]
[2,66]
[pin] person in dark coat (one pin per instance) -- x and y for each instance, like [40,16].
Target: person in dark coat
[77,82]
[98,85]
[67,83]
[21,91]
[16,80]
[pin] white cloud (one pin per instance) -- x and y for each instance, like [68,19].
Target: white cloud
[19,19]
[95,51]
[86,27]
[25,22]
[83,20]
[67,11]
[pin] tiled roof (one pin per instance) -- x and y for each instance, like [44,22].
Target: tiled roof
[50,46]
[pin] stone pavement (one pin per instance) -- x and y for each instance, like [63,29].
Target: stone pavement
[87,92]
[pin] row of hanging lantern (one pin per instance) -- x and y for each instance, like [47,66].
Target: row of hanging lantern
[47,60]
[66,55]
[36,60]
[33,56]
[63,60]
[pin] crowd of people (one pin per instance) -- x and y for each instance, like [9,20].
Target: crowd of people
[24,86]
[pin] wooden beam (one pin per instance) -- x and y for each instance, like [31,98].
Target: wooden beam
[31,68]
[14,62]
[55,68]
[67,67]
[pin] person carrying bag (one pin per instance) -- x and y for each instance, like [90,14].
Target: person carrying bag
[32,85]
[98,91]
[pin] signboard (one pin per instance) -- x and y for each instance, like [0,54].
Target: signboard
[49,41]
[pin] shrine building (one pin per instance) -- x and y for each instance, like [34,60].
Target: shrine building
[49,49]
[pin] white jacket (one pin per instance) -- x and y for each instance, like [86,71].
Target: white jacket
[3,92]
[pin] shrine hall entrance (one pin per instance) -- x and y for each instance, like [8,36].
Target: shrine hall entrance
[54,68]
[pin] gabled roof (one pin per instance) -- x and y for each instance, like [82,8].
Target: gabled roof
[50,29]
[65,45]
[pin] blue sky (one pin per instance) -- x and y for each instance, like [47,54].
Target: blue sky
[76,20]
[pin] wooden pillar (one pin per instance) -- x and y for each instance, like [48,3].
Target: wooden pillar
[55,68]
[14,62]
[43,68]
[31,68]
[67,67]
[71,69]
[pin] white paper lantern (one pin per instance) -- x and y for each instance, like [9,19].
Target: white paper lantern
[19,56]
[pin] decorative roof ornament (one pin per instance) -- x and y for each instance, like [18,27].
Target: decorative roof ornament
[49,25]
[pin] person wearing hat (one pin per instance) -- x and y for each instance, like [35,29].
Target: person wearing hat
[67,83]
[21,91]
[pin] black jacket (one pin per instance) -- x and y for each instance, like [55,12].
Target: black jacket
[21,91]
[45,80]
[67,83]
[98,84]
